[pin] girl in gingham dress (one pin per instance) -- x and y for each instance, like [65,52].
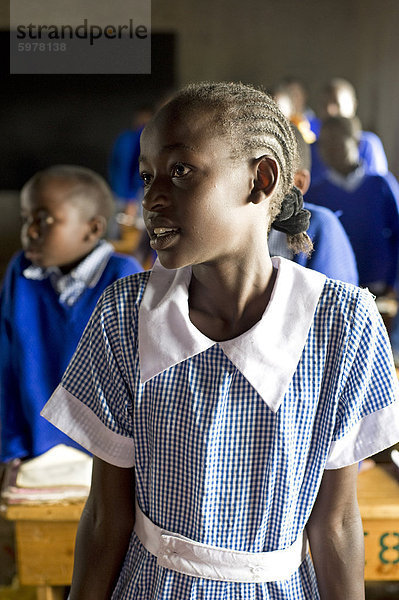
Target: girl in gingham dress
[226,398]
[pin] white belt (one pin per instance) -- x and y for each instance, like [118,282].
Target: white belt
[181,554]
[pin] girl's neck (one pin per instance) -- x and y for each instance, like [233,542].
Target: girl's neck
[225,301]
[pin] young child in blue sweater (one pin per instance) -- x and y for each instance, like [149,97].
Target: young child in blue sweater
[339,100]
[368,205]
[48,294]
[332,252]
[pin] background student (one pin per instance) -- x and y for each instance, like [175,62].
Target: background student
[332,252]
[367,204]
[48,294]
[338,99]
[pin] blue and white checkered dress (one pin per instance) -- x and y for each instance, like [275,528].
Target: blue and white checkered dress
[218,459]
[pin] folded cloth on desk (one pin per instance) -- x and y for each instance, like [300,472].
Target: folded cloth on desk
[62,473]
[61,465]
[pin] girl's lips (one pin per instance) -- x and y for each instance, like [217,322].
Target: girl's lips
[163,238]
[163,230]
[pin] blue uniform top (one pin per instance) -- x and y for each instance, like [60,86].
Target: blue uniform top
[229,439]
[371,153]
[332,254]
[124,177]
[368,208]
[38,335]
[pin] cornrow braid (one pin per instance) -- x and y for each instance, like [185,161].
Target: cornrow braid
[254,124]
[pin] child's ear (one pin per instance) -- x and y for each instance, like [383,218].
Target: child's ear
[265,179]
[302,180]
[97,227]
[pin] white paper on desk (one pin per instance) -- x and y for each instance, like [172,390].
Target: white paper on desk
[61,465]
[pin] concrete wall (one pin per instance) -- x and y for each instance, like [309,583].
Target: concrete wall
[259,41]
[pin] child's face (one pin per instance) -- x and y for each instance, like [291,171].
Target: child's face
[54,230]
[339,151]
[339,103]
[196,206]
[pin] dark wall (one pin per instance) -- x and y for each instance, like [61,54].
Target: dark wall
[49,119]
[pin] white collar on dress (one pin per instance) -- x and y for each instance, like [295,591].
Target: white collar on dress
[267,354]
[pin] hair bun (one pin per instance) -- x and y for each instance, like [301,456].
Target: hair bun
[292,218]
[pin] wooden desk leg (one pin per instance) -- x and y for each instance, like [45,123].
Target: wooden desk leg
[47,592]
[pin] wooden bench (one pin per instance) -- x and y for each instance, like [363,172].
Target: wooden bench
[45,535]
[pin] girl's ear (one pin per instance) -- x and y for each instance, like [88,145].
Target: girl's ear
[265,178]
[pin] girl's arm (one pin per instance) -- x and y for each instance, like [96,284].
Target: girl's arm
[335,535]
[104,532]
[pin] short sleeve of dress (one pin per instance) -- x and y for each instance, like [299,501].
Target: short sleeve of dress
[367,419]
[93,403]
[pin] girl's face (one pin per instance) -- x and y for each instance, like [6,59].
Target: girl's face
[196,197]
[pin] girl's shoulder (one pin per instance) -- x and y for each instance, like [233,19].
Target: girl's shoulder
[132,283]
[329,297]
[346,303]
[124,294]
[347,294]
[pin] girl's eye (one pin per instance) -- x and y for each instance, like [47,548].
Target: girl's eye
[146,177]
[179,170]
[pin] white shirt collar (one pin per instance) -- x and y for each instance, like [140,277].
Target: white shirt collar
[347,182]
[86,274]
[267,354]
[89,270]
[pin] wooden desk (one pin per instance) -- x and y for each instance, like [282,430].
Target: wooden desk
[378,496]
[45,534]
[45,540]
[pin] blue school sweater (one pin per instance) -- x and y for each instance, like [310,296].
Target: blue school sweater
[371,154]
[332,253]
[369,214]
[38,335]
[124,176]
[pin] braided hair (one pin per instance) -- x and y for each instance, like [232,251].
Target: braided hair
[253,123]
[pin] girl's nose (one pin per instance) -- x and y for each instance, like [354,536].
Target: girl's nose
[156,197]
